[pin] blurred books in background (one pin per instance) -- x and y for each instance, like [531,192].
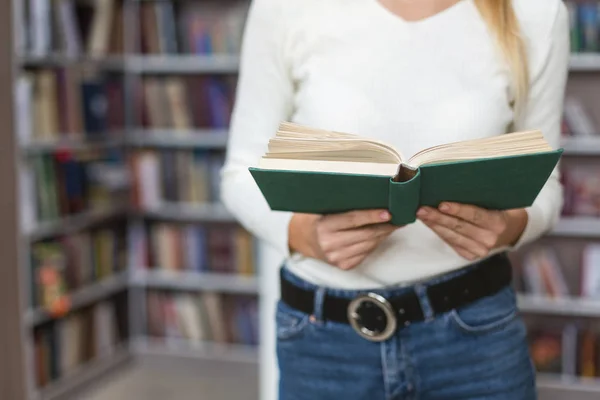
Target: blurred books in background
[543,274]
[203,317]
[64,183]
[62,346]
[68,105]
[581,190]
[571,351]
[202,28]
[187,176]
[585,25]
[171,247]
[72,28]
[185,102]
[577,121]
[77,260]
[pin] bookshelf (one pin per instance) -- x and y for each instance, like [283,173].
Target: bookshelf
[569,306]
[136,61]
[165,138]
[581,227]
[184,64]
[581,146]
[585,62]
[182,348]
[563,310]
[131,64]
[196,281]
[565,384]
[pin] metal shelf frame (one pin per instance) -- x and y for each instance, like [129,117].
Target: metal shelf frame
[223,283]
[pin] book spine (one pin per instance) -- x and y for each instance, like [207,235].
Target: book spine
[39,23]
[95,108]
[404,198]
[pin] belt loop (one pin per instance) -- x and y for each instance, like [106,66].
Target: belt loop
[319,303]
[421,291]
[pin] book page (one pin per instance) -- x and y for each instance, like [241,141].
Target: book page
[339,167]
[510,144]
[294,141]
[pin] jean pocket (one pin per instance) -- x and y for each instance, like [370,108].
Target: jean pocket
[290,323]
[488,314]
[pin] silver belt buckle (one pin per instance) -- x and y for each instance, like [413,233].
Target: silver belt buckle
[382,304]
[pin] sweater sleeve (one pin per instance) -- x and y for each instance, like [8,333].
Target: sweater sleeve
[549,69]
[263,99]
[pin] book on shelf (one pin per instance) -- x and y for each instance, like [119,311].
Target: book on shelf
[190,177]
[318,171]
[63,265]
[202,317]
[581,184]
[68,183]
[185,103]
[206,28]
[64,104]
[62,346]
[584,18]
[570,350]
[72,28]
[543,273]
[577,121]
[200,248]
[590,271]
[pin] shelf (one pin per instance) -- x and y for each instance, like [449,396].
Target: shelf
[200,138]
[574,307]
[224,283]
[196,64]
[181,212]
[59,60]
[581,146]
[85,374]
[183,64]
[568,383]
[72,223]
[83,297]
[197,350]
[588,227]
[36,147]
[584,62]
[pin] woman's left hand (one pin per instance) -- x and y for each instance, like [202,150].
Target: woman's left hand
[472,231]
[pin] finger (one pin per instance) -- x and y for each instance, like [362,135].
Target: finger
[461,226]
[333,241]
[355,219]
[457,240]
[465,253]
[341,256]
[352,262]
[476,215]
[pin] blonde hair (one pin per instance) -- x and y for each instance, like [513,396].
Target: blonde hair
[502,21]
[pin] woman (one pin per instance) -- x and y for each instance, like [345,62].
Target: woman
[425,311]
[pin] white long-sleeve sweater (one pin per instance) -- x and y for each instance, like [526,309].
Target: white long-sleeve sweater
[352,66]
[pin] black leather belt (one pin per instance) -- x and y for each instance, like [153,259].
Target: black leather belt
[376,318]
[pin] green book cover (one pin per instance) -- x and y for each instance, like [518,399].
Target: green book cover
[500,183]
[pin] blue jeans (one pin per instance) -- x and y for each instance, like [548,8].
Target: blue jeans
[476,352]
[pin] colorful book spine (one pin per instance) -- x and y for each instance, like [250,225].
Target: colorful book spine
[203,317]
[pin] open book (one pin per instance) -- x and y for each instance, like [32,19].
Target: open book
[318,171]
[300,148]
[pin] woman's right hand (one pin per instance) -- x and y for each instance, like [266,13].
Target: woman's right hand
[343,240]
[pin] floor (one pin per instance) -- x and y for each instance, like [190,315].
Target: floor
[176,379]
[154,378]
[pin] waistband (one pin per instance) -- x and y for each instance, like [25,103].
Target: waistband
[392,290]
